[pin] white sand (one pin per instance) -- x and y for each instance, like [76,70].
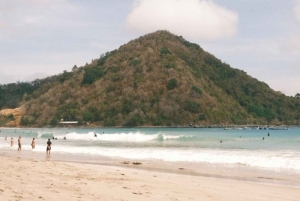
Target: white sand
[32,179]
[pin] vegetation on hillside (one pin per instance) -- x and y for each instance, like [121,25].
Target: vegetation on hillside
[156,80]
[11,94]
[4,119]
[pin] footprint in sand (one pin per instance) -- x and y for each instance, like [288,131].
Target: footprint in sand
[137,193]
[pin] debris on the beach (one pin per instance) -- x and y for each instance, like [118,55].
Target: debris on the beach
[126,162]
[137,163]
[181,168]
[272,178]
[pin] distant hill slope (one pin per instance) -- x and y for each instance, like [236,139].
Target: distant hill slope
[157,80]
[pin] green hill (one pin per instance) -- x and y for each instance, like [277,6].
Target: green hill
[156,80]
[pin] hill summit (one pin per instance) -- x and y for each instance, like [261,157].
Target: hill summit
[159,79]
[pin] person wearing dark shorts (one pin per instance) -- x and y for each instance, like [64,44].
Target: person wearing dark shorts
[48,146]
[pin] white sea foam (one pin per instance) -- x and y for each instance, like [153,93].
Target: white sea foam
[279,161]
[170,137]
[118,137]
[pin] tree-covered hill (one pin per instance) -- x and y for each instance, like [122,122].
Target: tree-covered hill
[156,80]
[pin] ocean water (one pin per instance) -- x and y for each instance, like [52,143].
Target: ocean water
[278,152]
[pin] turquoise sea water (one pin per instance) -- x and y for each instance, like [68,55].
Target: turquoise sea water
[278,152]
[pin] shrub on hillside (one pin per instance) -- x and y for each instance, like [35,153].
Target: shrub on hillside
[105,56]
[109,122]
[172,84]
[88,116]
[135,62]
[127,107]
[164,51]
[170,65]
[64,76]
[92,74]
[54,121]
[114,69]
[202,117]
[192,107]
[159,121]
[4,119]
[134,121]
[197,90]
[27,120]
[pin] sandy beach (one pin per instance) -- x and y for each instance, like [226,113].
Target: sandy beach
[44,179]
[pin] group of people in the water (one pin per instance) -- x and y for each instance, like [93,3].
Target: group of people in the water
[267,135]
[262,138]
[48,149]
[12,142]
[55,138]
[95,134]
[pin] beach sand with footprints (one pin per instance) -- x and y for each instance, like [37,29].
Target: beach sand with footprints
[36,179]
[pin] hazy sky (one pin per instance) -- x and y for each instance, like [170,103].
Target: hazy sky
[39,38]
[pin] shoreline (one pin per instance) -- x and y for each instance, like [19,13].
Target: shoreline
[46,179]
[90,126]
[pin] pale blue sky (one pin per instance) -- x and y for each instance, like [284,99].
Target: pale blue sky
[39,38]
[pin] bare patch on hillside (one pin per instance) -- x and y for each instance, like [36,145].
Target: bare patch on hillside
[17,112]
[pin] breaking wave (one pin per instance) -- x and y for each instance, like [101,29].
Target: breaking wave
[118,137]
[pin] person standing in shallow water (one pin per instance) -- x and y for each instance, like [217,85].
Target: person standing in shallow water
[48,146]
[12,142]
[19,143]
[33,143]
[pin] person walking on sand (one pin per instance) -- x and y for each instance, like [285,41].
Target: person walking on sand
[11,142]
[33,143]
[48,146]
[19,144]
